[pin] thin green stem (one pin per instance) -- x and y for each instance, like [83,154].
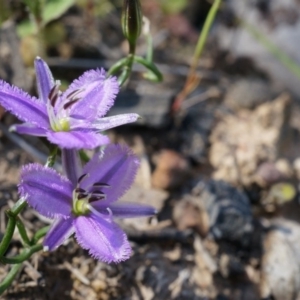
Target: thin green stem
[115,68]
[192,80]
[204,33]
[25,254]
[18,207]
[83,156]
[149,55]
[124,75]
[9,278]
[272,48]
[23,232]
[52,157]
[39,234]
[156,75]
[13,221]
[128,67]
[7,235]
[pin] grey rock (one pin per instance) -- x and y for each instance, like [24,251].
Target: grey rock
[229,211]
[248,93]
[151,101]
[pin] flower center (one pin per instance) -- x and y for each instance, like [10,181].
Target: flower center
[59,112]
[62,124]
[83,198]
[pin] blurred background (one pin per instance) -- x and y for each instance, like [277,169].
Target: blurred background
[222,166]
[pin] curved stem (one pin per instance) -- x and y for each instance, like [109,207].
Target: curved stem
[23,256]
[7,236]
[124,75]
[39,234]
[12,214]
[9,278]
[13,221]
[18,207]
[127,67]
[117,66]
[22,232]
[156,75]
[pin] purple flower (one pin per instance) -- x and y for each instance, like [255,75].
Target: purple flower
[73,119]
[85,202]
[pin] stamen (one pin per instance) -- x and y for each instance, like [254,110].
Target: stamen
[53,91]
[53,99]
[74,93]
[100,184]
[96,198]
[80,190]
[82,196]
[53,94]
[98,193]
[51,114]
[70,103]
[82,177]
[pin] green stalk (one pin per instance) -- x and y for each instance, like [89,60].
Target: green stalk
[155,73]
[273,49]
[23,232]
[149,55]
[204,33]
[124,76]
[9,278]
[14,221]
[117,66]
[7,236]
[192,80]
[52,157]
[39,234]
[18,207]
[127,68]
[25,254]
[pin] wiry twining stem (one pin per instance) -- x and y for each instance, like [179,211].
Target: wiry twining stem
[31,246]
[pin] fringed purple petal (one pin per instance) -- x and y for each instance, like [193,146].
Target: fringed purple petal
[59,232]
[116,166]
[105,240]
[27,128]
[102,124]
[46,190]
[124,209]
[71,164]
[97,94]
[23,106]
[44,79]
[114,121]
[77,139]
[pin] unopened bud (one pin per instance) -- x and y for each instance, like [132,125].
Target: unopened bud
[131,20]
